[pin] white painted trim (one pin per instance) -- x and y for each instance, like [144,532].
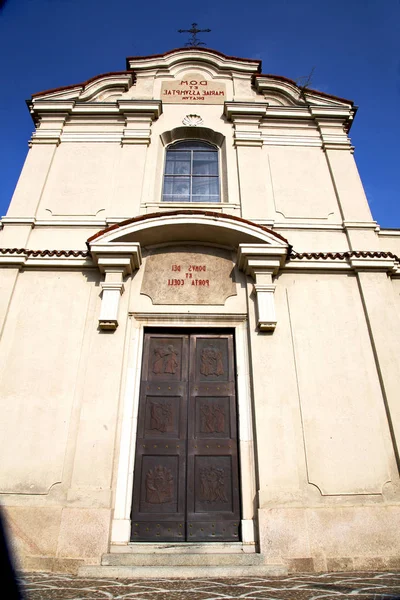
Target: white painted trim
[215,206]
[291,140]
[301,225]
[224,221]
[389,232]
[120,533]
[18,220]
[360,225]
[121,530]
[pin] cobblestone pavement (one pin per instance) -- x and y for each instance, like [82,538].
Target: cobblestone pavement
[327,586]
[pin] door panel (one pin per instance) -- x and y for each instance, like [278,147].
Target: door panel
[213,510]
[186,483]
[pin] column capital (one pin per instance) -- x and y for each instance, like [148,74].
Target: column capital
[125,257]
[258,259]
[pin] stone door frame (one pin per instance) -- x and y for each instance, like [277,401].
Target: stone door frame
[123,484]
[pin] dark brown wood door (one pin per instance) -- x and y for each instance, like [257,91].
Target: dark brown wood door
[186,484]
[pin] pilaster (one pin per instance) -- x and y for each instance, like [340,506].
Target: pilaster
[333,125]
[384,328]
[139,116]
[254,185]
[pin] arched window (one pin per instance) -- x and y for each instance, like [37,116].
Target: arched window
[191,173]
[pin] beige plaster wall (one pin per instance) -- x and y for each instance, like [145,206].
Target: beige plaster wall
[317,396]
[81,180]
[40,353]
[32,180]
[314,239]
[338,386]
[61,238]
[389,242]
[60,419]
[301,183]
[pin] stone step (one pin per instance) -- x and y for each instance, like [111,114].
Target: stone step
[182,572]
[179,560]
[183,547]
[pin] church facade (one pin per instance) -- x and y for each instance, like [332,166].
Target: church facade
[200,329]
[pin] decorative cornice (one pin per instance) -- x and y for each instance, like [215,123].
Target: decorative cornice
[246,110]
[356,260]
[41,253]
[342,255]
[136,116]
[252,258]
[18,257]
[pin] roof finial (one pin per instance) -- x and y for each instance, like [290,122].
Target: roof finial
[194,42]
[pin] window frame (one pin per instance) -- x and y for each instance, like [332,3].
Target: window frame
[207,147]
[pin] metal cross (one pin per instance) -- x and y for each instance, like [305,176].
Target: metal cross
[194,41]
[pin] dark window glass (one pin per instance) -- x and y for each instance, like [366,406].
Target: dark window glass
[191,173]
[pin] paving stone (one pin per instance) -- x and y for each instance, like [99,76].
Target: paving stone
[325,586]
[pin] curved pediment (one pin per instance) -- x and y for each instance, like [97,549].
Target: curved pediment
[188,226]
[275,89]
[100,88]
[194,56]
[283,91]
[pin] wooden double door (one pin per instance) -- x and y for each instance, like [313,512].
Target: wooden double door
[186,482]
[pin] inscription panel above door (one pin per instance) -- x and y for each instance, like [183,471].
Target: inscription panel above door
[189,275]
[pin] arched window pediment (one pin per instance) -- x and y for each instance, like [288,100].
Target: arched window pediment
[204,134]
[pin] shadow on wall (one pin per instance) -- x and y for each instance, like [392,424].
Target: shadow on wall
[8,579]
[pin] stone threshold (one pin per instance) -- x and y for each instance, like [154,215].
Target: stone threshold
[184,548]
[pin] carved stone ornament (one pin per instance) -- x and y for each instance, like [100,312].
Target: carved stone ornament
[212,485]
[165,360]
[193,121]
[159,485]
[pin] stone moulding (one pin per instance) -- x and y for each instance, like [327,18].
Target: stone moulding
[260,261]
[380,259]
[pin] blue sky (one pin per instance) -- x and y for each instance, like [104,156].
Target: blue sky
[354,46]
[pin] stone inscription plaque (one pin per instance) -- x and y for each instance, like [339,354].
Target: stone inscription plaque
[184,275]
[193,89]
